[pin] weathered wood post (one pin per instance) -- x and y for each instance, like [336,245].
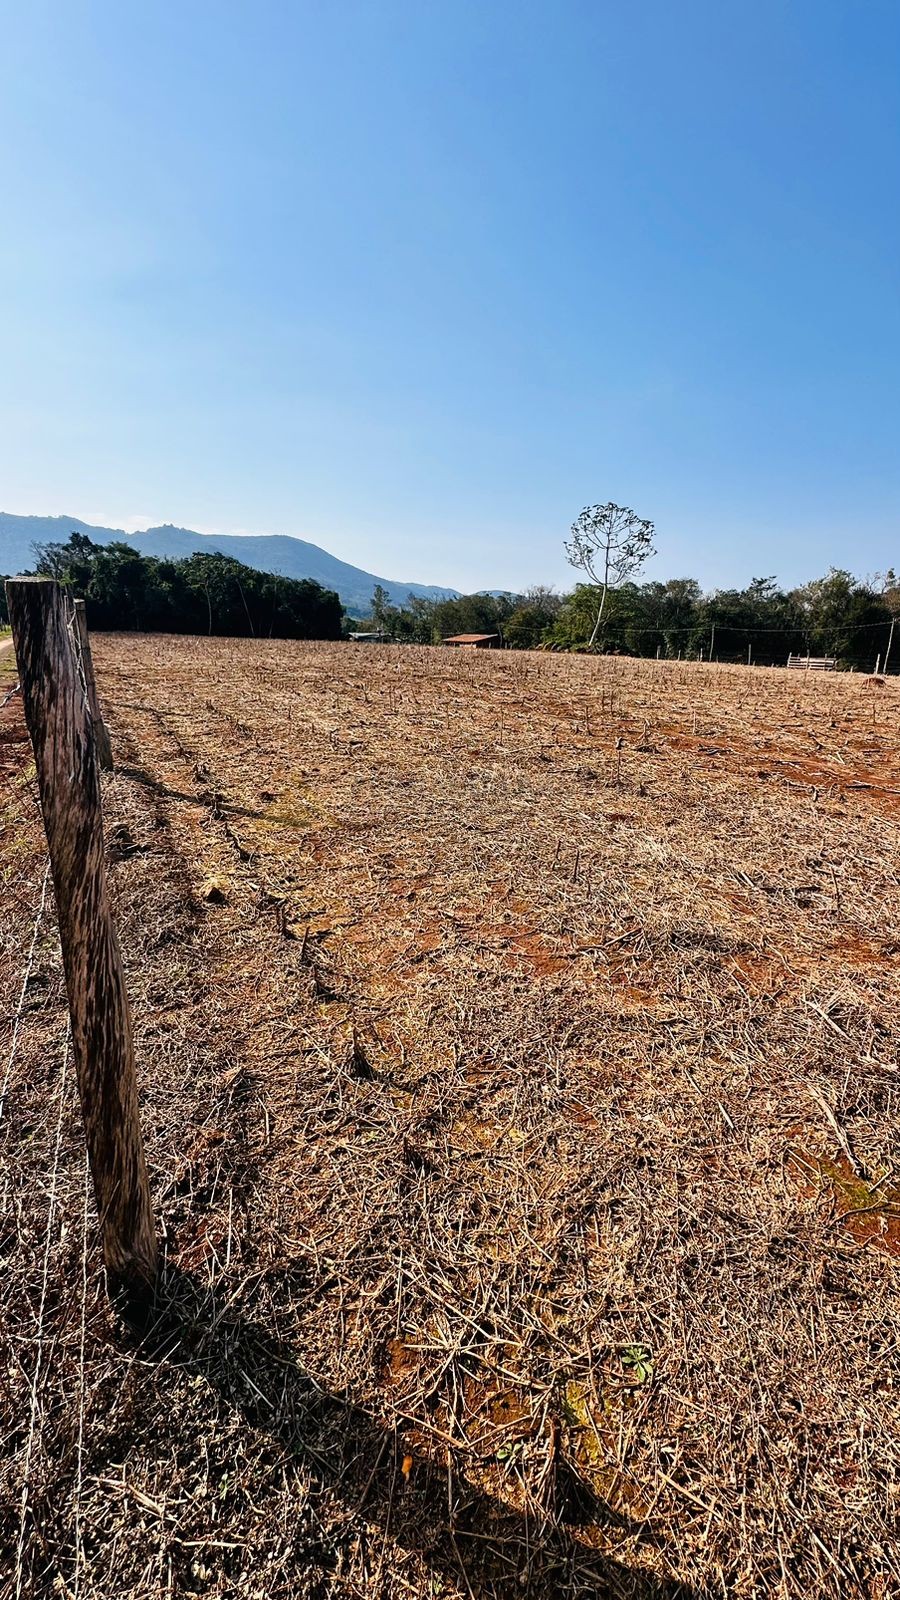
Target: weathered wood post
[101,736]
[59,723]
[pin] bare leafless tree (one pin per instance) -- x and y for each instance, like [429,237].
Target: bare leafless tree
[609,543]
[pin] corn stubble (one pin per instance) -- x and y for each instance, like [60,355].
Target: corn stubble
[521,1114]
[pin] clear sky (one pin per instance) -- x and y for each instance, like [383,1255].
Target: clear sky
[418,279]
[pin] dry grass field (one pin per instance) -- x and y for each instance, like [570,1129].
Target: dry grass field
[519,1044]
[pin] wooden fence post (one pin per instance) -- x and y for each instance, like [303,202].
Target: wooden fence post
[101,736]
[59,723]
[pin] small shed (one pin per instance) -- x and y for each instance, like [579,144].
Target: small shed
[474,641]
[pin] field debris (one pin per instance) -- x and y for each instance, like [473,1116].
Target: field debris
[522,1122]
[214,891]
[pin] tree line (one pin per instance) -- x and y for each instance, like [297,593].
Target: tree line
[837,615]
[198,594]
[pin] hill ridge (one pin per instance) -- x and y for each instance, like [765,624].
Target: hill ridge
[277,552]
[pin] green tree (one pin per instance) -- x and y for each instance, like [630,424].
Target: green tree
[671,614]
[383,612]
[472,613]
[415,621]
[535,612]
[844,618]
[576,617]
[205,593]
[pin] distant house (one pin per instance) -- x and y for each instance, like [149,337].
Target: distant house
[369,638]
[474,641]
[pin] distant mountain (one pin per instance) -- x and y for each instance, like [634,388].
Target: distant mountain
[18,534]
[292,558]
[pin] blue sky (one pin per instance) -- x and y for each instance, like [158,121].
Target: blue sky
[419,280]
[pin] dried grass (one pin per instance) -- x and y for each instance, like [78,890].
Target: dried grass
[522,1121]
